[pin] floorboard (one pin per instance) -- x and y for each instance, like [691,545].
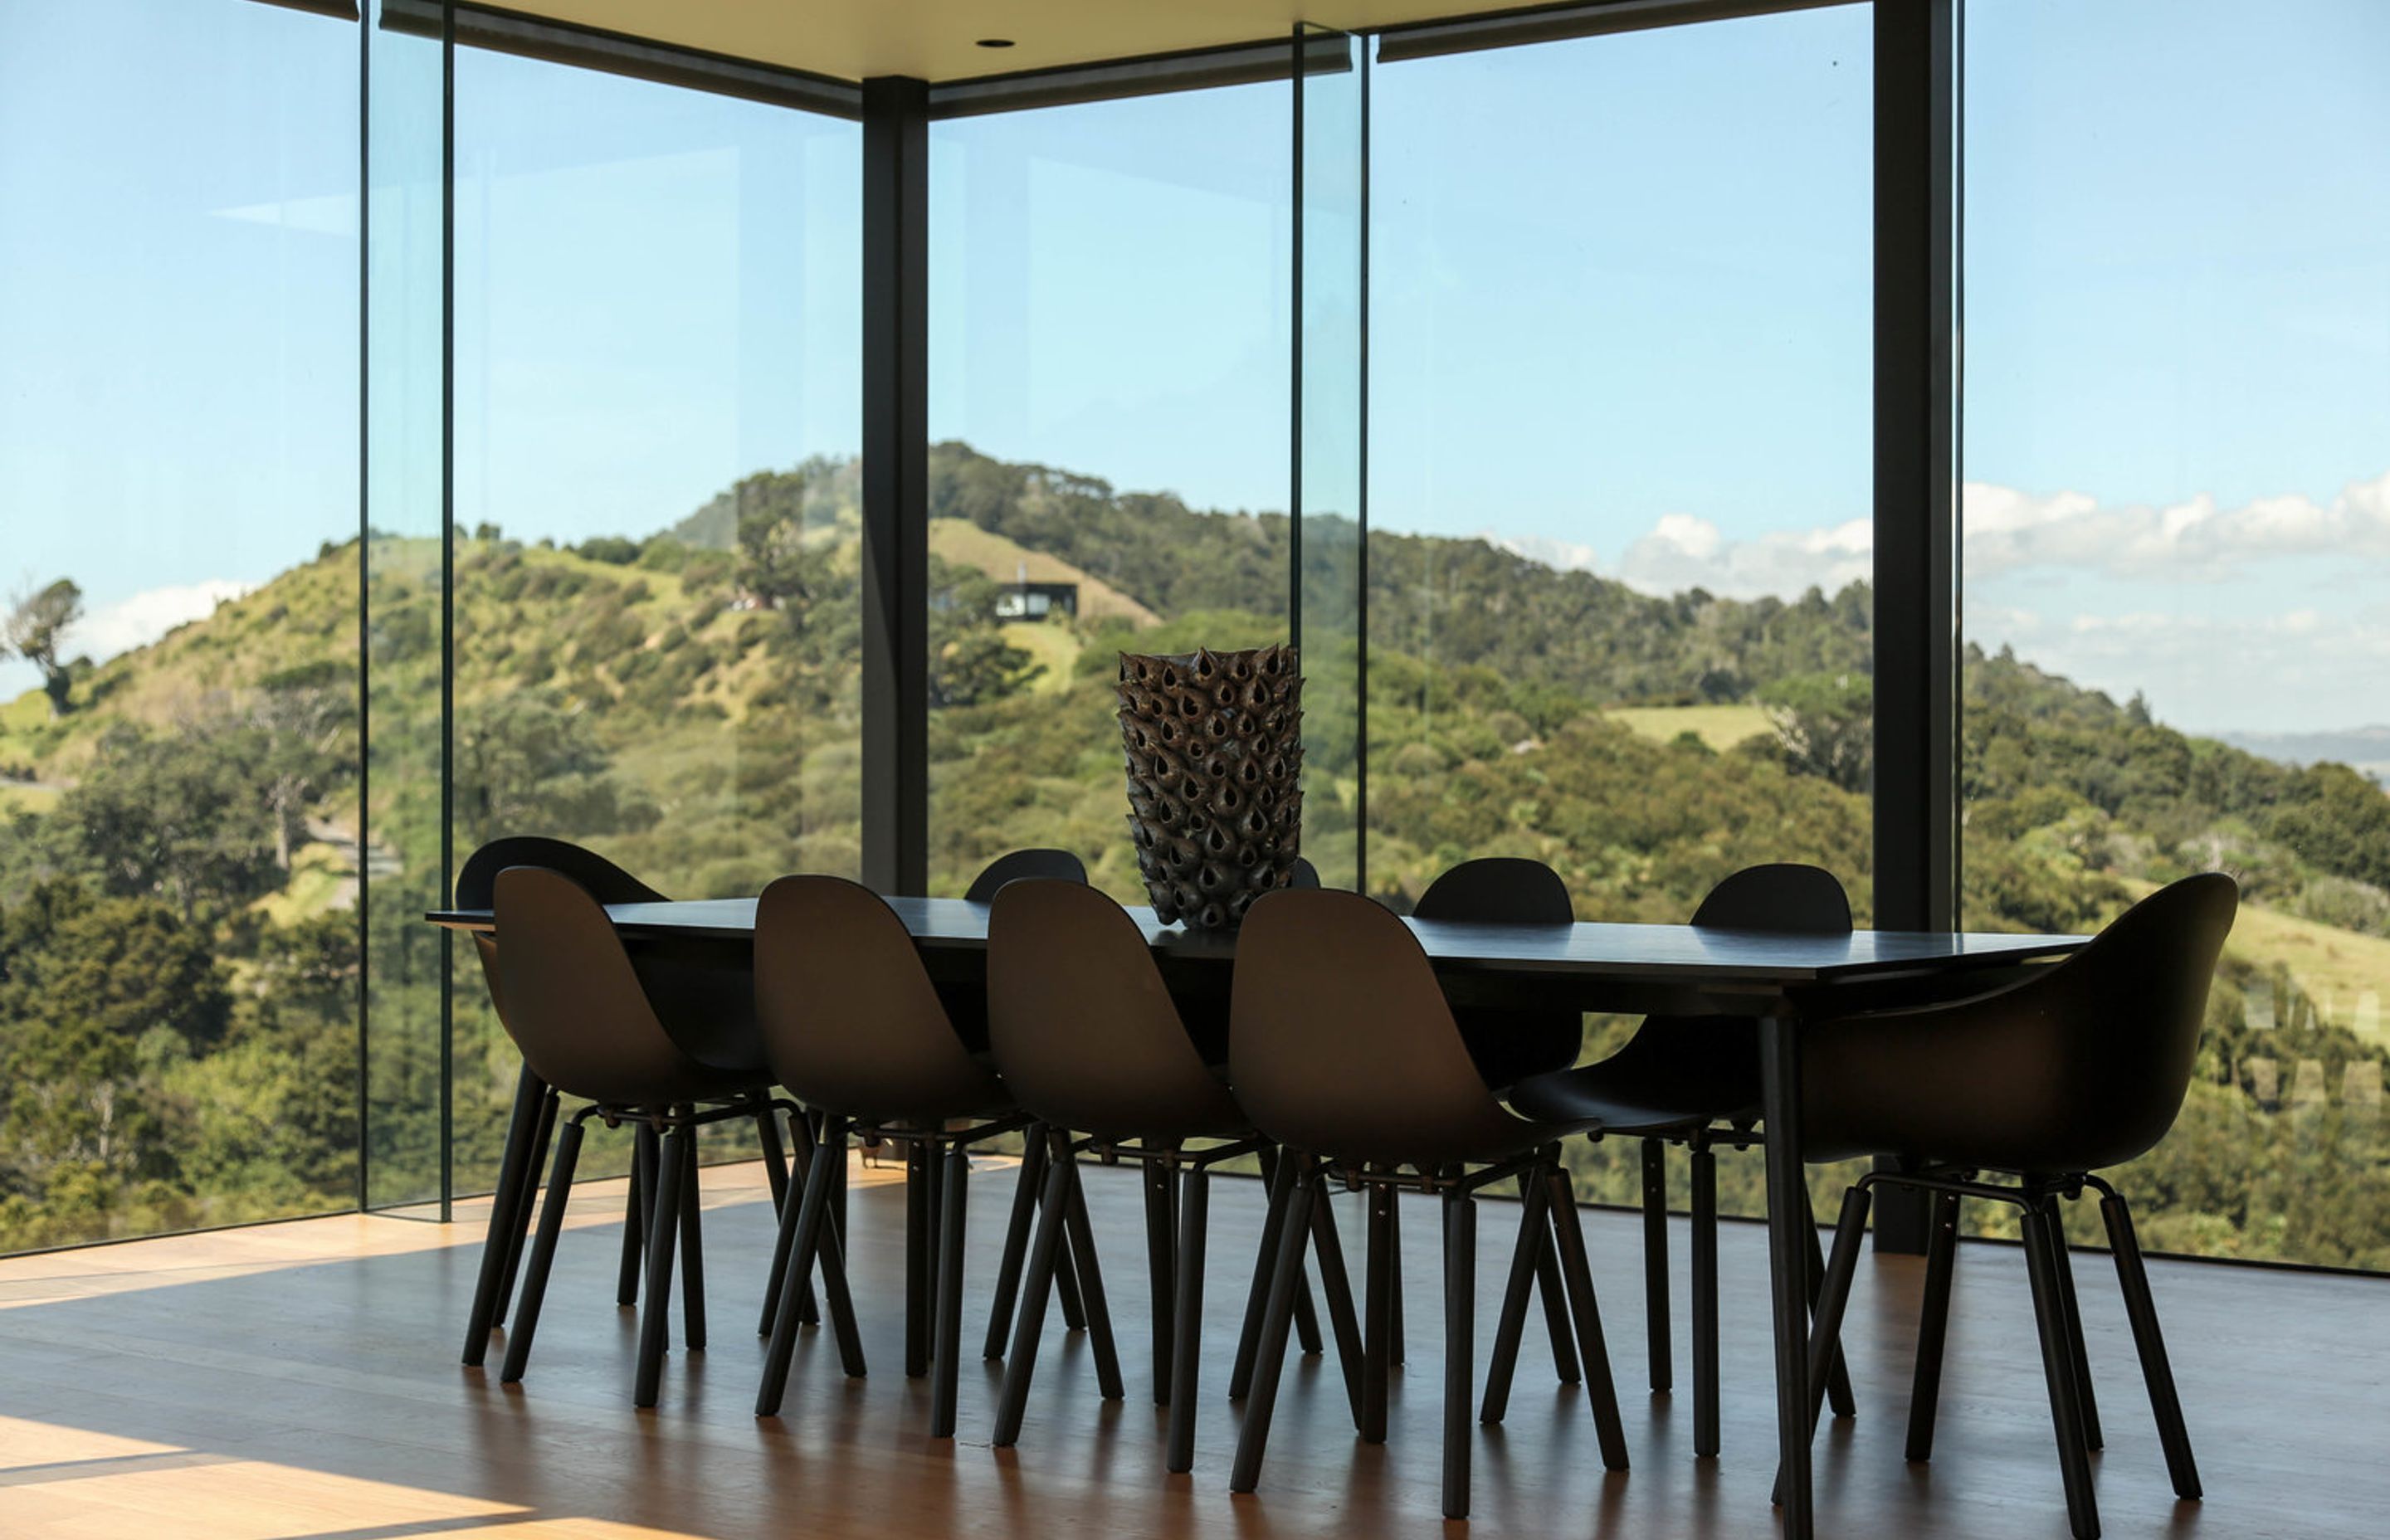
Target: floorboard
[300,1381]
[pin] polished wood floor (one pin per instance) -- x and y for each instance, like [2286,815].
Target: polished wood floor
[300,1381]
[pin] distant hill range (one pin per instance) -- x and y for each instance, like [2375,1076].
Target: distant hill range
[2362,749]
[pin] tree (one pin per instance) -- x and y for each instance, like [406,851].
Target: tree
[36,625]
[1825,724]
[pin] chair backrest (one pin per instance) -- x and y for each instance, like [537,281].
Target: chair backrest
[1303,874]
[1783,897]
[477,885]
[1085,1031]
[1504,888]
[574,1006]
[2121,1019]
[851,1021]
[1509,1045]
[1020,865]
[1339,1041]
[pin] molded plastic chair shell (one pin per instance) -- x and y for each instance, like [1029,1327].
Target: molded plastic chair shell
[1509,1045]
[1681,1072]
[577,1009]
[477,885]
[1087,1034]
[1021,865]
[851,1022]
[1340,1043]
[2081,1068]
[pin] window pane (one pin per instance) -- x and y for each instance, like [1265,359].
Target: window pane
[2177,525]
[1620,458]
[178,699]
[1109,398]
[657,428]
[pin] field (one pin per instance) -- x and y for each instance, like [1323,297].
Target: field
[1721,728]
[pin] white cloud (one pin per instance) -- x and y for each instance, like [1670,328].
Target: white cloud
[1683,552]
[2009,531]
[139,618]
[1567,555]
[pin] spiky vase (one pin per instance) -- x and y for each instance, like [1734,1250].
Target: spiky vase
[1215,743]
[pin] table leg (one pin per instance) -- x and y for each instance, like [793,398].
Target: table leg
[1788,1263]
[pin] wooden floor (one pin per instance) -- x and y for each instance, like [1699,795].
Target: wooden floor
[300,1381]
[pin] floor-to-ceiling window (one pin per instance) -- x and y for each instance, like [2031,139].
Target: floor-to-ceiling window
[657,421]
[1619,615]
[1109,415]
[2176,533]
[179,750]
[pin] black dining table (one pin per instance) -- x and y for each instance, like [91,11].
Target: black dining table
[1781,982]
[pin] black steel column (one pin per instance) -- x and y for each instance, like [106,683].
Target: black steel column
[895,485]
[1917,373]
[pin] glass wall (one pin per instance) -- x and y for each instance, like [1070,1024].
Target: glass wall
[1620,462]
[658,400]
[179,775]
[1109,293]
[2176,533]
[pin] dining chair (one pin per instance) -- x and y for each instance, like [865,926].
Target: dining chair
[1092,1045]
[1343,1050]
[577,1008]
[1695,1080]
[703,1004]
[855,1030]
[2046,1083]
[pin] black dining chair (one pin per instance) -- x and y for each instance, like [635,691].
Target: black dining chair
[577,1008]
[855,1030]
[1695,1080]
[2046,1083]
[1091,1044]
[1343,1050]
[706,1004]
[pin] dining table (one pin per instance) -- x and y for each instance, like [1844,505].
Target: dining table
[1782,981]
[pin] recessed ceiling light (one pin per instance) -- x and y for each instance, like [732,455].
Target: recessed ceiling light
[995,43]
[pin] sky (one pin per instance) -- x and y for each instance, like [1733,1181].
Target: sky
[1620,307]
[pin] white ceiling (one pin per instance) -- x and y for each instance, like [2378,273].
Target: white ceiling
[937,40]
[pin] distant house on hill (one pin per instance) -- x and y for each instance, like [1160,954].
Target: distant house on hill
[1024,600]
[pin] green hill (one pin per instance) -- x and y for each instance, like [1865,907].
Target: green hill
[689,702]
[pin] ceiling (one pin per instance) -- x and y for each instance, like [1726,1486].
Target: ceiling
[937,40]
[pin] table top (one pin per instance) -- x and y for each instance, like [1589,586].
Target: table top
[1714,958]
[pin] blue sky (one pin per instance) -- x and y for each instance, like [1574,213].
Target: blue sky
[1620,301]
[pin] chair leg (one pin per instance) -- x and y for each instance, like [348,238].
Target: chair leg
[1933,1324]
[2133,1277]
[543,1254]
[663,1230]
[1706,1303]
[1377,1313]
[1534,1244]
[2058,1369]
[1278,1171]
[811,1235]
[506,1216]
[2076,1349]
[692,1253]
[1029,1318]
[1394,1353]
[808,1313]
[1336,1282]
[518,1235]
[801,1146]
[1838,1378]
[1656,1265]
[949,1350]
[1278,1318]
[1569,1240]
[1016,1242]
[1460,1344]
[640,1201]
[918,1178]
[1834,1297]
[1187,1351]
[1160,1271]
[1082,1238]
[1554,1294]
